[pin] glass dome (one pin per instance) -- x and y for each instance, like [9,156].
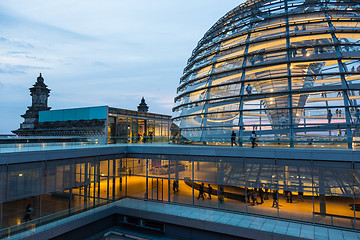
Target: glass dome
[288,70]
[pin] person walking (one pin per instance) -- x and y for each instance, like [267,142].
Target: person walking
[209,190]
[248,89]
[253,139]
[174,186]
[233,139]
[28,211]
[221,194]
[275,199]
[201,191]
[266,194]
[357,115]
[261,195]
[329,116]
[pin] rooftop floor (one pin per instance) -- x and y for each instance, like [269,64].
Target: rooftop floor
[235,224]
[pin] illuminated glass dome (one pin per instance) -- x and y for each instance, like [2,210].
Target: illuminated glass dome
[289,70]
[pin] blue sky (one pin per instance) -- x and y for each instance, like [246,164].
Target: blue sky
[93,53]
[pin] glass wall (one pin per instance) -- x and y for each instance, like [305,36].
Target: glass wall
[135,130]
[318,192]
[58,188]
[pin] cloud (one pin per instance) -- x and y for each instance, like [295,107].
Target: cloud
[19,44]
[99,54]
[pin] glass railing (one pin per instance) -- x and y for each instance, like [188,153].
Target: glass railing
[45,144]
[38,225]
[332,142]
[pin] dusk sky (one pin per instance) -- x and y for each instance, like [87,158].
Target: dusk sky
[94,53]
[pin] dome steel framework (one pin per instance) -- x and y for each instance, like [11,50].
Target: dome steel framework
[288,69]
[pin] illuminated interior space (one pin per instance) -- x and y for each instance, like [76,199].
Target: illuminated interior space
[318,191]
[106,124]
[288,70]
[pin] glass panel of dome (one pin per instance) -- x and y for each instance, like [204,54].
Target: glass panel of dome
[306,17]
[200,73]
[223,91]
[201,62]
[267,86]
[228,65]
[221,119]
[320,39]
[351,65]
[266,72]
[268,57]
[269,24]
[314,68]
[354,79]
[227,79]
[234,41]
[192,110]
[348,37]
[267,34]
[235,52]
[351,25]
[221,108]
[268,45]
[319,26]
[192,121]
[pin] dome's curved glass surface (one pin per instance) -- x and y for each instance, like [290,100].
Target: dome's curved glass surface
[289,70]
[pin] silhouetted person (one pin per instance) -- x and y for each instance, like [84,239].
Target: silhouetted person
[129,171]
[174,186]
[357,115]
[329,116]
[248,89]
[248,193]
[253,196]
[233,139]
[151,137]
[201,191]
[221,193]
[253,139]
[209,191]
[290,196]
[275,199]
[144,138]
[266,194]
[301,193]
[261,195]
[28,211]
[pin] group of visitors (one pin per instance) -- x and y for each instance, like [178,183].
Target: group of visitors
[338,112]
[145,138]
[252,139]
[202,191]
[253,194]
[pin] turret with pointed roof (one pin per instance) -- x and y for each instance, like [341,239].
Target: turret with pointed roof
[39,93]
[143,107]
